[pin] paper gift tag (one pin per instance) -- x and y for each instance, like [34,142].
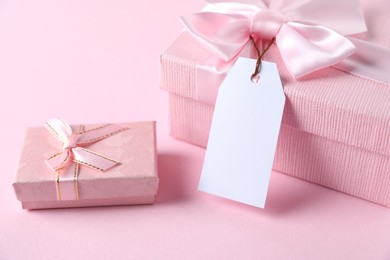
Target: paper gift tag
[244,134]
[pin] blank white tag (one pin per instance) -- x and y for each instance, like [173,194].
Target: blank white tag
[244,134]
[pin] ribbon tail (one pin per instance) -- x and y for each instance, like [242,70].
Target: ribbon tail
[371,61]
[222,34]
[99,133]
[59,128]
[308,48]
[92,160]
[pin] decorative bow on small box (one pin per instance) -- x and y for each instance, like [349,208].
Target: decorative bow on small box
[73,151]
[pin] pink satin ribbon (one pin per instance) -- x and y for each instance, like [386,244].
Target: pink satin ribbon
[310,34]
[72,151]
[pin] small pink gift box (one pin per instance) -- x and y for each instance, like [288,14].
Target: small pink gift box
[336,126]
[133,180]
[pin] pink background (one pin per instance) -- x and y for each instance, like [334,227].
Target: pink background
[98,61]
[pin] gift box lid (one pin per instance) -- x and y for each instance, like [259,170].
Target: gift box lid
[329,103]
[134,176]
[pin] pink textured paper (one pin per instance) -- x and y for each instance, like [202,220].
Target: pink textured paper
[135,176]
[342,167]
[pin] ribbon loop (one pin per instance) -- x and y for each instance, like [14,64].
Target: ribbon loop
[308,35]
[266,24]
[71,142]
[315,48]
[224,40]
[59,160]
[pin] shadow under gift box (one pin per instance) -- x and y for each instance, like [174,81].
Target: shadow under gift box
[336,126]
[133,181]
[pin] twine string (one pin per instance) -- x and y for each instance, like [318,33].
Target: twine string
[260,55]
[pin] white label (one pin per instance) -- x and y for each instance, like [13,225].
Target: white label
[244,134]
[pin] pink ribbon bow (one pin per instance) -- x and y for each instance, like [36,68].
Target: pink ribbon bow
[309,33]
[73,141]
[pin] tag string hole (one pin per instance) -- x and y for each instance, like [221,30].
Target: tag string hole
[255,78]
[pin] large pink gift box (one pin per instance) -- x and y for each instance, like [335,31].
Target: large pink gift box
[336,126]
[133,181]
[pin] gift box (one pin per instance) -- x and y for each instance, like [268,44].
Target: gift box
[336,125]
[131,179]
